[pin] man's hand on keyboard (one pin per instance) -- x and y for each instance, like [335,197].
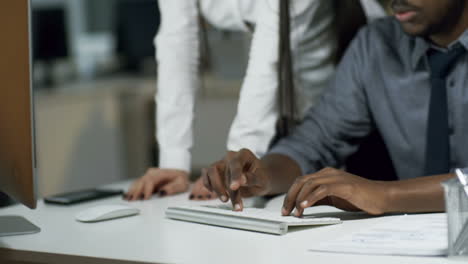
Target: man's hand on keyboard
[337,188]
[240,174]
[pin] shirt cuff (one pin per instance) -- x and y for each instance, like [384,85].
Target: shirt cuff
[252,147]
[175,159]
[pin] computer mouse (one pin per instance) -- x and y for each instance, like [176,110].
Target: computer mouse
[105,212]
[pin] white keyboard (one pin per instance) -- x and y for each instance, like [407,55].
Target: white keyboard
[253,219]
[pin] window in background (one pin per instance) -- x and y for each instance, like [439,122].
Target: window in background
[50,42]
[137,24]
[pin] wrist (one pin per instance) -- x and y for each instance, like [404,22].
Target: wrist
[390,194]
[281,172]
[269,179]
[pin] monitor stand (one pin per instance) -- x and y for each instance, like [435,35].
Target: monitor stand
[12,225]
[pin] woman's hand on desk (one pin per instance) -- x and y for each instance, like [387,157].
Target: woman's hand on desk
[200,192]
[161,181]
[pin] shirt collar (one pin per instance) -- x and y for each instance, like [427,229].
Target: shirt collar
[421,47]
[464,39]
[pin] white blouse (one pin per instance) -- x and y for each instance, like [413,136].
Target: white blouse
[177,54]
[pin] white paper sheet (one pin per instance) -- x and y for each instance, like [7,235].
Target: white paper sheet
[408,235]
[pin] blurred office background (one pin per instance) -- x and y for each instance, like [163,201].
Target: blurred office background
[94,81]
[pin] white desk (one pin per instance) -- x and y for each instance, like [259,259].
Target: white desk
[152,238]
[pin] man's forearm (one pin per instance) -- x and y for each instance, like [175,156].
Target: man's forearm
[424,194]
[283,171]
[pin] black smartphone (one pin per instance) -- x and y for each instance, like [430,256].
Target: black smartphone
[81,196]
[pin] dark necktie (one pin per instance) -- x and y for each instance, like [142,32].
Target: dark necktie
[437,140]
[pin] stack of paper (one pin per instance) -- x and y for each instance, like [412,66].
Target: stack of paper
[410,235]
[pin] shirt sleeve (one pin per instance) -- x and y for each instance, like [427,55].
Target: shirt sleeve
[333,129]
[257,111]
[177,55]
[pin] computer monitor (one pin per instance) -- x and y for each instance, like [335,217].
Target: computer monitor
[17,150]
